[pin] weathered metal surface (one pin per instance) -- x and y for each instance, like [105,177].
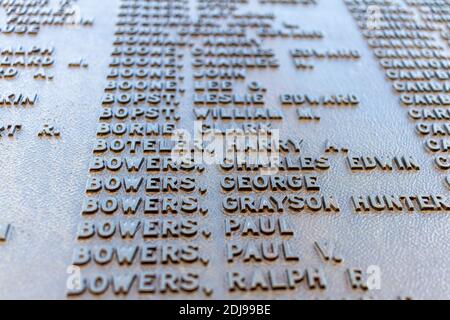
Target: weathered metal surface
[210,231]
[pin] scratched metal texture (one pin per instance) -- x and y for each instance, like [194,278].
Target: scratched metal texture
[42,181]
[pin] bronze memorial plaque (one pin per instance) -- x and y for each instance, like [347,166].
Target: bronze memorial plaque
[224,149]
